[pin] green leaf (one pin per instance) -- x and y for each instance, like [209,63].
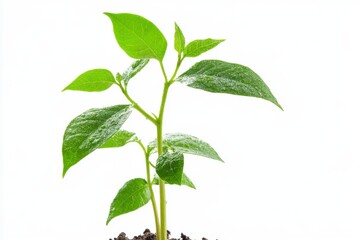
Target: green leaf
[197,47]
[134,69]
[223,77]
[169,167]
[95,80]
[184,181]
[119,139]
[133,195]
[90,130]
[179,42]
[185,143]
[137,36]
[187,182]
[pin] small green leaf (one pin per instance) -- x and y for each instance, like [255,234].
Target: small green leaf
[133,195]
[137,36]
[197,47]
[118,78]
[187,182]
[184,181]
[133,70]
[223,77]
[179,40]
[90,130]
[119,139]
[95,80]
[185,143]
[169,167]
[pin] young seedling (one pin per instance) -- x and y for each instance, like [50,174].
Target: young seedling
[101,127]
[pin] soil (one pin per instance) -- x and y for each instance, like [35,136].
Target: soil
[147,235]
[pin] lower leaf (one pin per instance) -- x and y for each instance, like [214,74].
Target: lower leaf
[184,181]
[170,167]
[133,195]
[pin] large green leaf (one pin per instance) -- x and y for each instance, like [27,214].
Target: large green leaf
[95,80]
[90,130]
[223,77]
[185,143]
[137,36]
[179,40]
[197,47]
[184,181]
[133,195]
[134,69]
[170,166]
[119,139]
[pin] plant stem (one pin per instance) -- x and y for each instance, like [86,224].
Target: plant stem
[136,105]
[159,128]
[163,234]
[152,195]
[147,155]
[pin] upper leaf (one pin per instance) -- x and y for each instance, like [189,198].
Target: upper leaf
[133,70]
[223,77]
[90,130]
[179,40]
[137,36]
[170,166]
[133,195]
[95,80]
[185,143]
[197,47]
[119,139]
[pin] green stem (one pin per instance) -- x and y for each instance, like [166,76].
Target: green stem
[163,234]
[159,128]
[136,105]
[152,195]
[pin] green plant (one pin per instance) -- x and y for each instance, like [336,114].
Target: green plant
[101,127]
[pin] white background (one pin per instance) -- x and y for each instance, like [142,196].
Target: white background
[288,175]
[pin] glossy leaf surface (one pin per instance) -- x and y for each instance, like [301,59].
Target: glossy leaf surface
[137,36]
[170,166]
[185,143]
[197,47]
[133,195]
[179,40]
[136,67]
[184,181]
[223,77]
[90,130]
[95,80]
[119,139]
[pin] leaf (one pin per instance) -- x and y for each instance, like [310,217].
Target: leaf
[169,167]
[90,130]
[185,143]
[137,36]
[223,77]
[133,195]
[197,47]
[134,69]
[184,181]
[187,182]
[95,80]
[119,139]
[179,40]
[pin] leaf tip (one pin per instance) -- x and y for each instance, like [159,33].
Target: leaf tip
[108,220]
[64,173]
[65,170]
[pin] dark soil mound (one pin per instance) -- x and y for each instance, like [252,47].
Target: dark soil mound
[147,235]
